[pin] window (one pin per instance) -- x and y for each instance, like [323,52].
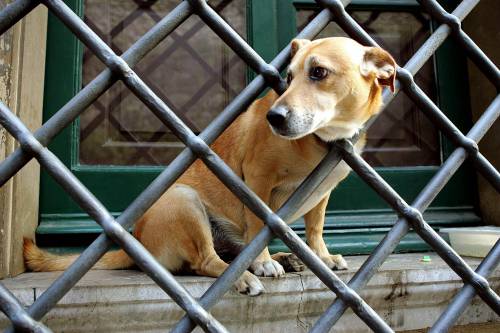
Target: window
[117,147]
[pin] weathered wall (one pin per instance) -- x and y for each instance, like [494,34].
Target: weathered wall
[483,27]
[22,66]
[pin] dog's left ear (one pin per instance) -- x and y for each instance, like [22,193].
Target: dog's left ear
[379,63]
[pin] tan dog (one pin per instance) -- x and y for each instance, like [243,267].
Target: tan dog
[334,88]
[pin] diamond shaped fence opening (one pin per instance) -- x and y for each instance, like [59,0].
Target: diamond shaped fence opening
[33,145]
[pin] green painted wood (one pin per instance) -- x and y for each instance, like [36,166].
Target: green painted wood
[345,232]
[266,13]
[116,188]
[346,244]
[336,222]
[362,242]
[387,5]
[271,24]
[62,81]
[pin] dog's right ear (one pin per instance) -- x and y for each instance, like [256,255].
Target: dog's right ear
[297,44]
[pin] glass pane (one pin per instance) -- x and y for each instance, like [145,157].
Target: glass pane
[402,135]
[192,71]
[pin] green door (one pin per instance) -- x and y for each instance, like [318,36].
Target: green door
[117,146]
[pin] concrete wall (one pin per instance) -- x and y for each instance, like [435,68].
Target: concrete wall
[406,292]
[483,27]
[473,328]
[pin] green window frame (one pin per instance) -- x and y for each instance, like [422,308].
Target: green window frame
[351,226]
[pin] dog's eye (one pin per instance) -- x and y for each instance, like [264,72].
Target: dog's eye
[289,78]
[318,73]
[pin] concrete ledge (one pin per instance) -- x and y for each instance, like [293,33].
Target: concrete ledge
[407,293]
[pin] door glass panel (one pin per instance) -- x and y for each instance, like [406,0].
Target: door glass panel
[402,135]
[192,71]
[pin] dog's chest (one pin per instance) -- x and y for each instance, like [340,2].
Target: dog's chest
[293,176]
[282,192]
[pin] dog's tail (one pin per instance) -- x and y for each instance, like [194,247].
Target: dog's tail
[39,260]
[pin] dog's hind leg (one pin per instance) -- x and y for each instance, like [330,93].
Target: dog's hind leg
[177,232]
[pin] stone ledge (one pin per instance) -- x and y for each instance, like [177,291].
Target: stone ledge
[408,293]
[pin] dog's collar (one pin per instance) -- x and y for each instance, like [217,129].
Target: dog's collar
[324,143]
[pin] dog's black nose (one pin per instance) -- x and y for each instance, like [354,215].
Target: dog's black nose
[277,116]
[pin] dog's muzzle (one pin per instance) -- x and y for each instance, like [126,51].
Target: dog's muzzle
[277,116]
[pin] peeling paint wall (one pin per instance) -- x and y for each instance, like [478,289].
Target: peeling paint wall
[6,46]
[7,65]
[22,69]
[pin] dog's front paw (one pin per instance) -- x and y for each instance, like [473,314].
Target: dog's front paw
[249,284]
[267,268]
[334,261]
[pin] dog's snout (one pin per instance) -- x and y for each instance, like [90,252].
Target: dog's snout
[277,116]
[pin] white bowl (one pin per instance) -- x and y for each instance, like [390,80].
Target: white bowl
[473,241]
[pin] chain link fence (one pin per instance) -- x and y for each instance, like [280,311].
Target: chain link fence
[33,145]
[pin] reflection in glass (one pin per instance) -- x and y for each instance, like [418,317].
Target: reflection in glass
[192,70]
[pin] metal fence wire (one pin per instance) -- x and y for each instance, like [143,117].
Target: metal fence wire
[33,145]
